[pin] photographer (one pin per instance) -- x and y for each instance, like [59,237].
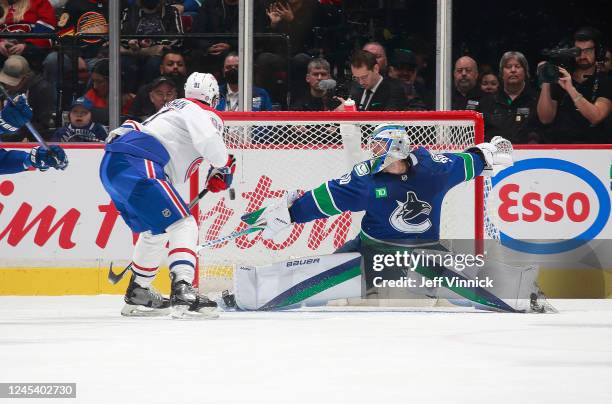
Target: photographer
[579,102]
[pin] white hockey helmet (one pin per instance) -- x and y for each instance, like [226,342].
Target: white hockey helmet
[388,143]
[202,87]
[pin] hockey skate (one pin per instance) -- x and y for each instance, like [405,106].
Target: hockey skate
[188,304]
[144,302]
[539,304]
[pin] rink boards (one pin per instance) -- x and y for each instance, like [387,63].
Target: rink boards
[58,232]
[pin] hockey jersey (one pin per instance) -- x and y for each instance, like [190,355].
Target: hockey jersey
[12,161]
[397,207]
[187,131]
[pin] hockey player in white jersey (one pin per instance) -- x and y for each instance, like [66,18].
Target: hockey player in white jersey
[139,169]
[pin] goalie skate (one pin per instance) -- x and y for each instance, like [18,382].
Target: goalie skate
[188,304]
[144,302]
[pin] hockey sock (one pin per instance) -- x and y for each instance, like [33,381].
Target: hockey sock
[183,241]
[148,253]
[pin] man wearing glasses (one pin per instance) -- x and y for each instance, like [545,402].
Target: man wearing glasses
[575,106]
[375,92]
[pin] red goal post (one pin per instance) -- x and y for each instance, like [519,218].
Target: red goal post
[277,151]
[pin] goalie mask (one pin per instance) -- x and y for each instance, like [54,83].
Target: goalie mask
[202,87]
[388,143]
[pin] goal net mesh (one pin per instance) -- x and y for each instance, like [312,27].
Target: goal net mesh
[276,152]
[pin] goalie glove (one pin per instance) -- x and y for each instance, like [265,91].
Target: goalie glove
[220,179]
[497,154]
[274,218]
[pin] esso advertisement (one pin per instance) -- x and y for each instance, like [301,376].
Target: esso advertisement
[546,205]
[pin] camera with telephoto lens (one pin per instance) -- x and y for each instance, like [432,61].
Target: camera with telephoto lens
[555,58]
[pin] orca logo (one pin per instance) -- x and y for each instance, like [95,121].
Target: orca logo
[576,170]
[402,217]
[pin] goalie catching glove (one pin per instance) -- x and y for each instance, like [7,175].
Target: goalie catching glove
[220,178]
[497,154]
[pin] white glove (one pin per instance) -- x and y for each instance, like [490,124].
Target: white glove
[497,154]
[276,217]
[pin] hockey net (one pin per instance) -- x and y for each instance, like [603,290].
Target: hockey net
[281,151]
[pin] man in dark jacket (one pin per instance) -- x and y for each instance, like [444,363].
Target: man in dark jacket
[375,92]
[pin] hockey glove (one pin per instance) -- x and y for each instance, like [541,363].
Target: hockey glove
[15,115]
[497,154]
[276,218]
[44,159]
[220,179]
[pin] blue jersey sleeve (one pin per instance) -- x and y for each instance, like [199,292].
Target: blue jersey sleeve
[451,168]
[347,193]
[13,161]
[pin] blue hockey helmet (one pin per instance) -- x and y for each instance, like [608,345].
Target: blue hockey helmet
[388,143]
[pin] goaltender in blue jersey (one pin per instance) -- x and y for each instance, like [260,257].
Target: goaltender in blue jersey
[401,190]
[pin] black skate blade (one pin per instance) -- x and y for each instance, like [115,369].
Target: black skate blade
[133,310]
[115,278]
[182,312]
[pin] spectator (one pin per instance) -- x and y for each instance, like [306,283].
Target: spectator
[28,16]
[404,69]
[142,57]
[607,64]
[296,18]
[228,92]
[80,127]
[98,94]
[381,55]
[488,82]
[18,78]
[172,66]
[318,98]
[467,95]
[215,17]
[162,90]
[511,112]
[575,105]
[375,93]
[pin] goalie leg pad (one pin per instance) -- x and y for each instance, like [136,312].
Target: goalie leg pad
[309,281]
[148,254]
[183,237]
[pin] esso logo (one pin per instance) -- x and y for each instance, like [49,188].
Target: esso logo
[551,207]
[549,199]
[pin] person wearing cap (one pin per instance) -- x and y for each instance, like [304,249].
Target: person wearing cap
[13,116]
[80,127]
[17,78]
[160,91]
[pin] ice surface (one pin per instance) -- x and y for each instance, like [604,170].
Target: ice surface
[334,355]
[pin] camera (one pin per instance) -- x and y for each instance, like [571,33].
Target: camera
[557,57]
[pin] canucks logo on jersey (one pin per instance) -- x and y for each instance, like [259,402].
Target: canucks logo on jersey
[408,216]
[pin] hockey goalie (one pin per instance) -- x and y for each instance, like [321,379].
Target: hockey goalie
[400,189]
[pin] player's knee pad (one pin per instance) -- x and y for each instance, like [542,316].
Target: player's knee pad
[183,238]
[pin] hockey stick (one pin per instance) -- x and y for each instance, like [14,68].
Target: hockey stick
[251,219]
[115,278]
[28,124]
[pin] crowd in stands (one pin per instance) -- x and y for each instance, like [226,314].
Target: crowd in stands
[313,64]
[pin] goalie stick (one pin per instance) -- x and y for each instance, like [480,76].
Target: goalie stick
[251,219]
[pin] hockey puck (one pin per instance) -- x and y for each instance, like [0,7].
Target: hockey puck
[232,194]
